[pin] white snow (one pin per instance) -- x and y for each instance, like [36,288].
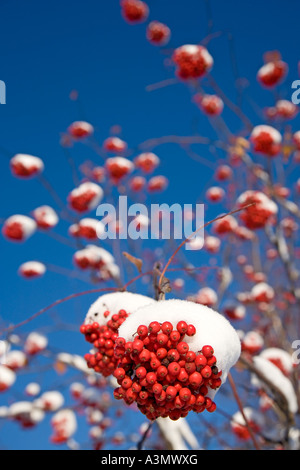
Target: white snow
[114,303]
[276,377]
[212,329]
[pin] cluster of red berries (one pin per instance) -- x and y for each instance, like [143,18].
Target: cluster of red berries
[159,372]
[192,61]
[134,11]
[103,338]
[80,203]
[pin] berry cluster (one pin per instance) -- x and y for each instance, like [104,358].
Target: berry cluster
[192,61]
[159,372]
[134,11]
[103,338]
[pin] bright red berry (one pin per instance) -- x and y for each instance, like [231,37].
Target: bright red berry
[207,351]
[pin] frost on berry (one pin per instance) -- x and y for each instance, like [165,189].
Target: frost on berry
[239,427]
[102,324]
[35,343]
[261,212]
[7,378]
[45,217]
[158,33]
[15,360]
[280,358]
[50,401]
[175,356]
[26,166]
[272,374]
[85,197]
[26,413]
[97,259]
[80,130]
[118,168]
[114,145]
[32,269]
[266,140]
[147,162]
[192,61]
[272,73]
[18,228]
[64,424]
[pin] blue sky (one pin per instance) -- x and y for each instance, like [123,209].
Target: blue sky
[51,48]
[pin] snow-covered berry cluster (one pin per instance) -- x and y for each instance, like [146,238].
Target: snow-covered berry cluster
[159,372]
[103,338]
[192,61]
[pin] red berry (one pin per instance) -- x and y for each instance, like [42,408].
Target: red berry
[145,355]
[161,353]
[126,383]
[151,378]
[206,372]
[190,367]
[171,393]
[162,371]
[157,388]
[142,331]
[141,372]
[175,336]
[162,339]
[167,327]
[190,356]
[154,327]
[195,379]
[173,355]
[174,369]
[191,330]
[182,347]
[137,346]
[182,327]
[200,361]
[185,394]
[119,373]
[211,408]
[128,347]
[183,375]
[207,351]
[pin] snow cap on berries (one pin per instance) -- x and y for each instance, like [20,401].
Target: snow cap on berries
[272,73]
[80,129]
[238,424]
[32,389]
[85,197]
[211,328]
[15,359]
[114,145]
[113,303]
[147,161]
[262,292]
[90,229]
[118,167]
[45,217]
[64,424]
[19,228]
[35,343]
[266,140]
[7,378]
[26,166]
[50,401]
[32,269]
[257,215]
[274,375]
[280,358]
[252,341]
[193,61]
